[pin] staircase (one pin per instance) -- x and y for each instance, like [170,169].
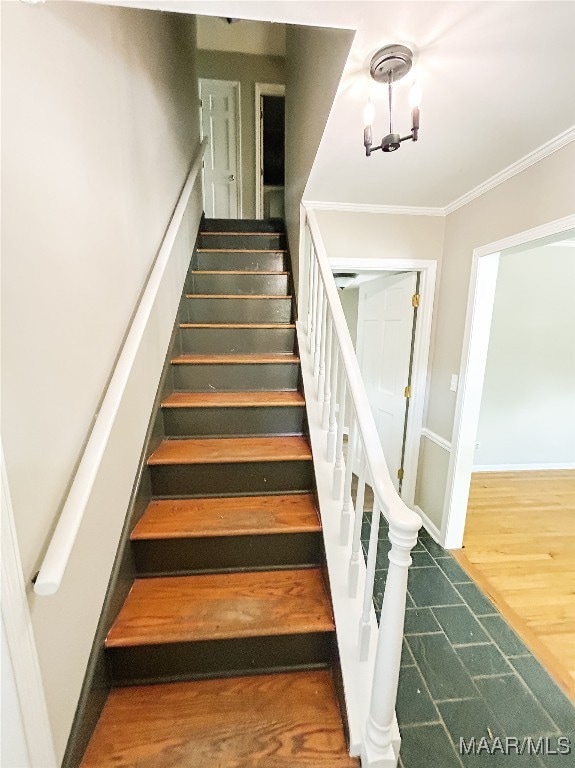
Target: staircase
[223,653]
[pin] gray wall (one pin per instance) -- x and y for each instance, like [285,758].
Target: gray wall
[528,406]
[350,305]
[100,120]
[248,69]
[315,59]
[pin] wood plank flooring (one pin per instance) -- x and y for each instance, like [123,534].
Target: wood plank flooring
[264,721]
[214,606]
[519,546]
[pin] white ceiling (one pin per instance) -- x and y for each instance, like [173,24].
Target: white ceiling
[498,81]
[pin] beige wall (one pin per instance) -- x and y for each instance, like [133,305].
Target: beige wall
[247,70]
[100,123]
[315,59]
[350,305]
[256,37]
[527,413]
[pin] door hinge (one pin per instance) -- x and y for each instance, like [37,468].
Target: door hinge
[201,103]
[415,300]
[400,474]
[407,392]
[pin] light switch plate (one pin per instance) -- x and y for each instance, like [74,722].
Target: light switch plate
[454,381]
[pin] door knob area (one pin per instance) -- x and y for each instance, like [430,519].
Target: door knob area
[232,177]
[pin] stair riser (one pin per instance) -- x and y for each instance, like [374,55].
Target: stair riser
[236,378]
[248,262]
[177,480]
[238,340]
[222,553]
[237,311]
[246,284]
[218,658]
[257,242]
[211,422]
[242,225]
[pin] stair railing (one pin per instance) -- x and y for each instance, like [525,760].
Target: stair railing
[57,555]
[340,386]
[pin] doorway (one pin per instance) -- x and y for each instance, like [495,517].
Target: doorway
[401,280]
[480,304]
[270,150]
[220,121]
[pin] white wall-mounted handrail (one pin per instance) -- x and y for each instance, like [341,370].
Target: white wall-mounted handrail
[62,542]
[393,507]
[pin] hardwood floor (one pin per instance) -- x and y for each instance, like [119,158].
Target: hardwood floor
[519,546]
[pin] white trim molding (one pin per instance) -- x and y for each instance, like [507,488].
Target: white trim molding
[525,162]
[21,640]
[401,210]
[429,526]
[521,467]
[436,439]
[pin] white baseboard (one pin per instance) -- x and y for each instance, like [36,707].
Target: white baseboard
[520,467]
[430,527]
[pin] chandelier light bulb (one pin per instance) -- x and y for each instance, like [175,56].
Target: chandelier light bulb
[415,95]
[368,113]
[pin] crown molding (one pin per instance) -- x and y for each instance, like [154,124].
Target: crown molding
[512,170]
[402,210]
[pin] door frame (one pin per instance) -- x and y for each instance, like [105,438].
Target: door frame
[238,89]
[262,89]
[472,373]
[428,270]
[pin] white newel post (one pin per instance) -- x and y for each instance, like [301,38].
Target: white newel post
[377,750]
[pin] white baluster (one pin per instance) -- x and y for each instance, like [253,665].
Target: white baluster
[377,750]
[313,299]
[338,468]
[356,540]
[365,624]
[322,349]
[328,370]
[318,312]
[331,435]
[347,500]
[309,266]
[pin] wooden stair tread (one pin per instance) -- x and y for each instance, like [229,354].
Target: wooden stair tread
[241,250]
[231,516]
[222,606]
[249,326]
[248,273]
[249,359]
[236,296]
[250,234]
[233,399]
[288,720]
[231,450]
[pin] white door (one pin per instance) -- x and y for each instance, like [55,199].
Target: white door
[384,333]
[220,123]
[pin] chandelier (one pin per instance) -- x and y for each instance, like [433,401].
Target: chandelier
[389,65]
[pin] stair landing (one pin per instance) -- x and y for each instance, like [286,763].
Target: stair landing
[263,721]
